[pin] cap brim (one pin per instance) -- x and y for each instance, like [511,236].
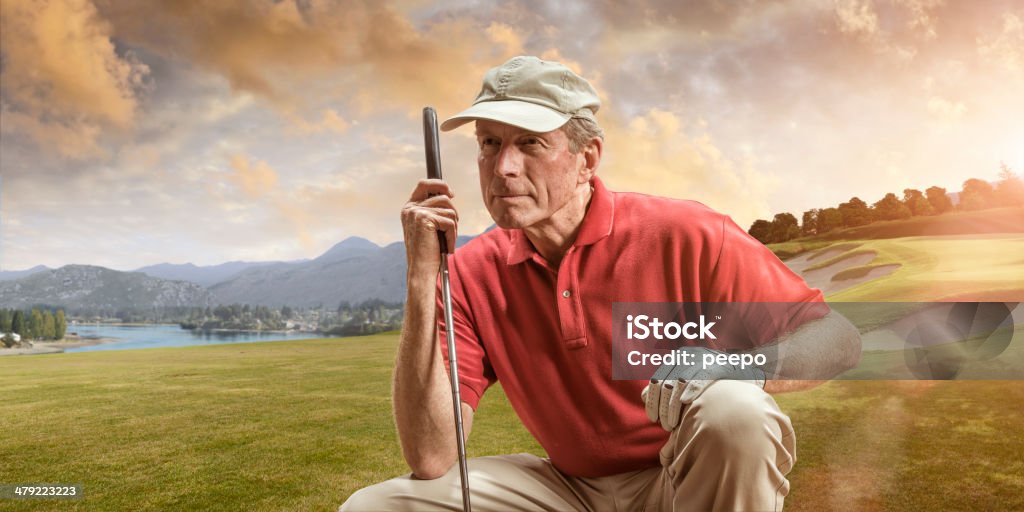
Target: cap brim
[523,114]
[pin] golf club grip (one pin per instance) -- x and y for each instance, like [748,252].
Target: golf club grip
[433,152]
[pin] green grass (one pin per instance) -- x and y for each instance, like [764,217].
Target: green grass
[907,445]
[786,250]
[265,426]
[299,425]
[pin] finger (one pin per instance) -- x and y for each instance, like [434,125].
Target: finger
[675,406]
[663,372]
[436,202]
[450,213]
[444,224]
[422,211]
[694,389]
[667,389]
[452,236]
[434,220]
[653,400]
[428,187]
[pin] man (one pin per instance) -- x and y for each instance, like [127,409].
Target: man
[532,309]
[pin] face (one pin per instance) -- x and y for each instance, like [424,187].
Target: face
[526,177]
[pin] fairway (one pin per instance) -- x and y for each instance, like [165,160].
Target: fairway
[299,425]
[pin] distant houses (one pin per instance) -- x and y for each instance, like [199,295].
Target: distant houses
[11,339]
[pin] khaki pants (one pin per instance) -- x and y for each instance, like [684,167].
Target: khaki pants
[731,451]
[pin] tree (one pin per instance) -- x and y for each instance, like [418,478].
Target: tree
[916,202]
[18,324]
[48,327]
[829,219]
[784,227]
[938,199]
[809,222]
[855,212]
[1010,189]
[977,195]
[890,208]
[5,320]
[35,324]
[61,325]
[761,230]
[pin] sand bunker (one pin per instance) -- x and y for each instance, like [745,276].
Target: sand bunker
[811,258]
[824,277]
[872,274]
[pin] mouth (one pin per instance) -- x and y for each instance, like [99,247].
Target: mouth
[510,197]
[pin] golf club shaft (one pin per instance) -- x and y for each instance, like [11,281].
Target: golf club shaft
[460,436]
[433,154]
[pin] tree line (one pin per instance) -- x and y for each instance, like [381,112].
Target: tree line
[238,317]
[367,317]
[37,324]
[976,195]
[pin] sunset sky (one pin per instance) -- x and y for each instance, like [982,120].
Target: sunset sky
[140,132]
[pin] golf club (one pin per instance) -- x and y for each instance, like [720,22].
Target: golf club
[433,149]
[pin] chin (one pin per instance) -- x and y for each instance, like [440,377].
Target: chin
[508,220]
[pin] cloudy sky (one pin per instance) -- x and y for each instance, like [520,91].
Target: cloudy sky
[139,132]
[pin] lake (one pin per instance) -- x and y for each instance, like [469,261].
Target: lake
[152,336]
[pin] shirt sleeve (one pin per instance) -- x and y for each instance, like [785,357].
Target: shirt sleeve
[748,272]
[475,372]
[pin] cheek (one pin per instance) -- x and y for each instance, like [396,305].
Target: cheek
[485,177]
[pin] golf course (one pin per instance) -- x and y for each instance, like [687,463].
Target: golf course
[300,425]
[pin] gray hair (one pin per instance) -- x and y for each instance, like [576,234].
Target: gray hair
[581,131]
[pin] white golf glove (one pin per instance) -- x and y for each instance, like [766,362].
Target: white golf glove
[675,387]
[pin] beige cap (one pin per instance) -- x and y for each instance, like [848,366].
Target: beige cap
[533,94]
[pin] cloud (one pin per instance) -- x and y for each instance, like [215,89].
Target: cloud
[70,138]
[856,17]
[330,121]
[62,78]
[298,55]
[254,180]
[507,37]
[945,110]
[1006,48]
[658,153]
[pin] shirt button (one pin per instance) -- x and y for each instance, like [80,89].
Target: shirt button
[566,294]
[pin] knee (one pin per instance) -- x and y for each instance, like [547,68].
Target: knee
[733,415]
[374,497]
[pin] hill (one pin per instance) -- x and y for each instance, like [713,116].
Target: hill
[202,275]
[353,270]
[85,286]
[10,275]
[997,220]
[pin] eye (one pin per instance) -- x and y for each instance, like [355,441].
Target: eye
[529,141]
[489,145]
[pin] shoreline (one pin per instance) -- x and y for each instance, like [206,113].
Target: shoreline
[55,347]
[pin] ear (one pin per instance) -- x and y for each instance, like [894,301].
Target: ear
[591,158]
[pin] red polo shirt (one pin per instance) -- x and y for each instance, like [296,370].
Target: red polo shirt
[545,332]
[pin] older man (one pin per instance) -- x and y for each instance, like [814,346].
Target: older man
[532,310]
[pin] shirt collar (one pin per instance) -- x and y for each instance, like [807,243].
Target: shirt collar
[597,224]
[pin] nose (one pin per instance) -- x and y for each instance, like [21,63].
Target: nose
[509,161]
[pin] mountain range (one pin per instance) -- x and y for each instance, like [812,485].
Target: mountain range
[353,270]
[86,286]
